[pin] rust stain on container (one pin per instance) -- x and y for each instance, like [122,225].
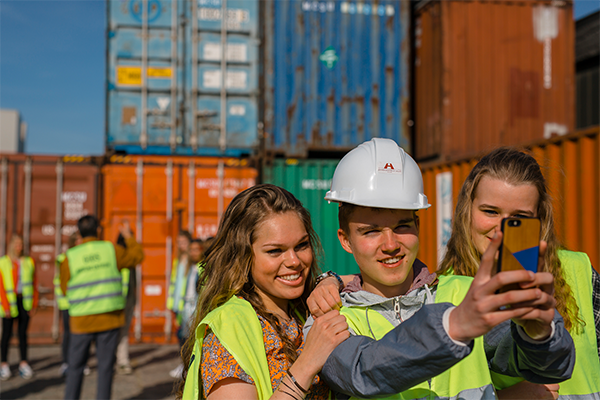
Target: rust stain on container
[491,73]
[571,167]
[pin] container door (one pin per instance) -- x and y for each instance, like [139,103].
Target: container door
[337,73]
[223,87]
[143,76]
[44,199]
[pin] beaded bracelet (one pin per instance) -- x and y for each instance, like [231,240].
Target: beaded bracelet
[296,382]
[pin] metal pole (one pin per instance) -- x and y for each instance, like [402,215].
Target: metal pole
[192,198]
[144,134]
[220,176]
[3,205]
[223,136]
[194,66]
[169,247]
[27,206]
[138,269]
[173,137]
[57,238]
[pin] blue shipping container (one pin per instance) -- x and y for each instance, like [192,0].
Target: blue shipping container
[164,77]
[336,74]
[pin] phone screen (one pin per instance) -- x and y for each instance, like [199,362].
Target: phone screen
[520,244]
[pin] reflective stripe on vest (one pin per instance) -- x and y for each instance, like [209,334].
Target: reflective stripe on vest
[95,286]
[585,381]
[171,295]
[61,299]
[237,327]
[451,384]
[27,271]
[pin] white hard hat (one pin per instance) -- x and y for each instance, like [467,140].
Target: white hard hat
[380,174]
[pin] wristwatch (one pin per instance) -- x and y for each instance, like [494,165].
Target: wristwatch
[327,275]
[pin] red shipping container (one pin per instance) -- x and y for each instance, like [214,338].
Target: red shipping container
[490,73]
[31,187]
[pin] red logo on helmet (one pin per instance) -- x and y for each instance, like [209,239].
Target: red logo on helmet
[388,165]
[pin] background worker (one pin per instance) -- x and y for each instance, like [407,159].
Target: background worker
[129,282]
[63,304]
[91,280]
[19,298]
[189,297]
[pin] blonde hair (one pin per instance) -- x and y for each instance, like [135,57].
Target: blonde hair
[229,259]
[514,167]
[11,247]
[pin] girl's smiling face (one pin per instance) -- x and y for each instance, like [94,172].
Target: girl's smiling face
[494,200]
[282,259]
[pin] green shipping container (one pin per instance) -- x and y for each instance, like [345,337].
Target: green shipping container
[309,181]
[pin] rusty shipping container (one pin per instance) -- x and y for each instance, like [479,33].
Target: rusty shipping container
[41,198]
[160,195]
[491,73]
[571,165]
[335,74]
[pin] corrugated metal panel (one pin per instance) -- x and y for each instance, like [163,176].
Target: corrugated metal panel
[588,97]
[491,73]
[572,168]
[159,196]
[336,74]
[31,188]
[587,39]
[309,181]
[164,64]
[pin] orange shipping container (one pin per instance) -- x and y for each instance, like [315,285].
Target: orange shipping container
[571,165]
[41,198]
[491,73]
[160,196]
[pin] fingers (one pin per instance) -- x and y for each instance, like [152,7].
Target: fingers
[487,260]
[324,298]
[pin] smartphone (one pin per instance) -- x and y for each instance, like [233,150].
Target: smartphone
[520,246]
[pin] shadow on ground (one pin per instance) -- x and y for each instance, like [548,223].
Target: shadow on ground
[36,386]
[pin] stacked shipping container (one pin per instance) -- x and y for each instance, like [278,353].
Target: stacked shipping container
[491,73]
[328,74]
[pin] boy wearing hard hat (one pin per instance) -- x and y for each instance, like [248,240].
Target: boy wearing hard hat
[411,328]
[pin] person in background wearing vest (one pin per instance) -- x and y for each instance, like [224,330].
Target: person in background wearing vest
[412,327]
[63,304]
[247,341]
[129,281]
[189,297]
[19,298]
[509,183]
[91,280]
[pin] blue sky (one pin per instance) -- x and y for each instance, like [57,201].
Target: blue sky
[52,66]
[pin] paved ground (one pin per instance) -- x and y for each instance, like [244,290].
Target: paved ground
[149,380]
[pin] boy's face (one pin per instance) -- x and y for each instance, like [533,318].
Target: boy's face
[384,243]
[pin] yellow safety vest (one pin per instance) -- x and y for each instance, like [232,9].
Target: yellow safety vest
[237,327]
[27,271]
[95,286]
[470,374]
[585,381]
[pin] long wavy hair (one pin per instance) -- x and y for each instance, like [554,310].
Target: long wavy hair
[514,167]
[229,259]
